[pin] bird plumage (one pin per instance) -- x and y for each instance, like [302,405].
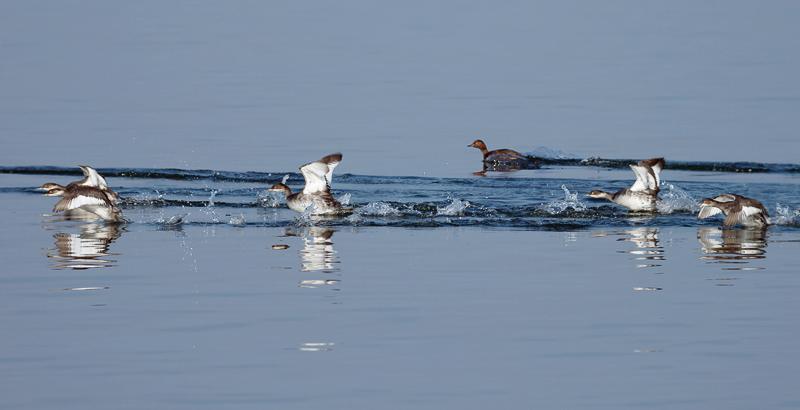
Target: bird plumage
[316,193]
[738,210]
[643,194]
[91,194]
[504,159]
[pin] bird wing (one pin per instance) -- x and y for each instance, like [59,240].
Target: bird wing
[319,174]
[93,178]
[734,218]
[332,161]
[112,196]
[315,176]
[644,181]
[655,165]
[754,206]
[708,211]
[83,198]
[750,210]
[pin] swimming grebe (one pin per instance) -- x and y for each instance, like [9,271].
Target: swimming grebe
[737,210]
[317,192]
[504,159]
[642,195]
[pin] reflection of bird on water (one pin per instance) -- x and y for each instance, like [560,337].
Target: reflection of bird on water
[647,244]
[87,198]
[86,249]
[732,245]
[643,194]
[317,253]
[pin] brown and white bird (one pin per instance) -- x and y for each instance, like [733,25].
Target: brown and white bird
[316,194]
[91,178]
[504,159]
[643,194]
[90,196]
[738,210]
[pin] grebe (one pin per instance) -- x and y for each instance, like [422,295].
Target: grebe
[90,196]
[642,195]
[317,191]
[504,159]
[91,178]
[737,210]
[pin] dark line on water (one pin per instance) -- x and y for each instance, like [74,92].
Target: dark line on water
[736,167]
[270,177]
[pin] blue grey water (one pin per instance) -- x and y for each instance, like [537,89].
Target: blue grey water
[400,88]
[444,289]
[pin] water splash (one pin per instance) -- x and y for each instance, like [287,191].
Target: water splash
[211,198]
[144,199]
[377,209]
[455,207]
[269,199]
[569,203]
[784,215]
[674,198]
[344,199]
[307,217]
[237,220]
[550,153]
[172,221]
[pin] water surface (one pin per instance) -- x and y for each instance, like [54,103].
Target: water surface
[438,293]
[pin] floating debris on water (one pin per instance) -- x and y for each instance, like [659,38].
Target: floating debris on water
[280,246]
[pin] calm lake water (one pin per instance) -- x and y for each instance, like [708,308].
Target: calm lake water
[444,290]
